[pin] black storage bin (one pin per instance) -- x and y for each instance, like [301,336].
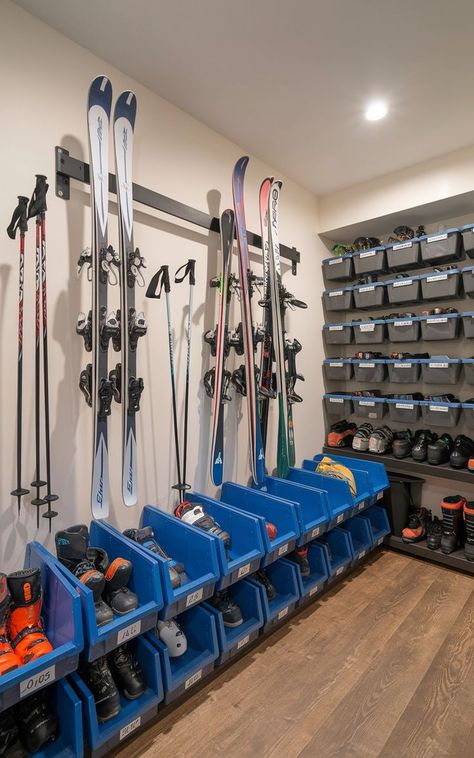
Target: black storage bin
[403,495]
[338,334]
[369,407]
[445,415]
[403,372]
[338,405]
[441,286]
[369,295]
[403,411]
[444,327]
[468,414]
[403,290]
[467,319]
[468,364]
[370,261]
[441,247]
[338,269]
[338,369]
[468,280]
[402,256]
[369,371]
[440,370]
[369,332]
[403,329]
[338,300]
[467,233]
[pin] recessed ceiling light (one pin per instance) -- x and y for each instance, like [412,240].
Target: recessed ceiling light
[375,111]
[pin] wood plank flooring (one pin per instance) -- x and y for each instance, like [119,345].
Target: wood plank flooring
[383,665]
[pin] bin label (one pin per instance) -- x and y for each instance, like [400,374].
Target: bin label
[368,254]
[336,328]
[193,679]
[335,293]
[402,283]
[361,506]
[283,549]
[243,570]
[282,613]
[340,518]
[313,590]
[315,532]
[379,541]
[403,323]
[338,364]
[130,728]
[437,278]
[366,365]
[366,402]
[361,554]
[130,631]
[379,495]
[367,327]
[402,245]
[437,320]
[340,570]
[194,597]
[438,237]
[35,682]
[367,289]
[438,365]
[334,261]
[438,408]
[336,399]
[243,641]
[402,365]
[404,406]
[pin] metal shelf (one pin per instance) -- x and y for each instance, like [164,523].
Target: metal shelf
[456,560]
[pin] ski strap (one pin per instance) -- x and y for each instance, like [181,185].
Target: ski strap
[189,269]
[38,198]
[160,280]
[19,218]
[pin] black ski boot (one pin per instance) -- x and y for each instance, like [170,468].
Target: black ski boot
[120,598]
[10,745]
[37,723]
[469,526]
[71,549]
[194,513]
[231,613]
[300,556]
[127,672]
[452,509]
[99,679]
[262,577]
[145,537]
[434,532]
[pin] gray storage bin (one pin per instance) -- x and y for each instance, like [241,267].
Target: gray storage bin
[468,280]
[338,300]
[403,372]
[369,295]
[440,370]
[369,332]
[468,364]
[441,286]
[467,319]
[468,414]
[402,256]
[369,407]
[338,334]
[441,247]
[338,405]
[445,415]
[439,327]
[403,411]
[403,329]
[467,233]
[403,290]
[338,369]
[369,371]
[370,261]
[338,269]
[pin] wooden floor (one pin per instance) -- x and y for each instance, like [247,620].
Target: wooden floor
[383,665]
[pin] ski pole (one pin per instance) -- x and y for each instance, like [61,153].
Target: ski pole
[189,270]
[19,221]
[160,281]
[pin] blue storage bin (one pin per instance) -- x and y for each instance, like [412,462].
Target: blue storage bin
[335,493]
[337,545]
[338,334]
[101,738]
[180,674]
[339,268]
[265,507]
[312,585]
[68,708]
[370,295]
[377,518]
[246,548]
[370,261]
[361,534]
[195,549]
[232,641]
[101,640]
[61,613]
[362,480]
[338,369]
[283,575]
[467,233]
[339,300]
[445,415]
[376,472]
[311,506]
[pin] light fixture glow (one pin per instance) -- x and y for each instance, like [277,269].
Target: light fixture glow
[375,111]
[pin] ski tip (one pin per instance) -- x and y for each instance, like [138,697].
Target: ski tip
[126,107]
[241,164]
[100,93]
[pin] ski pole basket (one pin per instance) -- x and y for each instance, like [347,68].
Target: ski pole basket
[233,641]
[284,577]
[311,506]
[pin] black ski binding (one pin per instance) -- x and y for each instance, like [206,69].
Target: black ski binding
[105,394]
[210,337]
[137,327]
[85,384]
[135,264]
[236,340]
[239,381]
[85,259]
[108,258]
[84,329]
[109,329]
[115,378]
[135,389]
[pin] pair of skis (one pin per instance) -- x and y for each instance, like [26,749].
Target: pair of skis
[126,326]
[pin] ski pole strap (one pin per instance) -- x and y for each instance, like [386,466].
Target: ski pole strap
[189,269]
[159,281]
[19,218]
[38,198]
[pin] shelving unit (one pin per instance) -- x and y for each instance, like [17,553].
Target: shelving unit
[456,560]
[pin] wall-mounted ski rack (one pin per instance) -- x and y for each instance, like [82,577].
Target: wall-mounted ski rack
[68,168]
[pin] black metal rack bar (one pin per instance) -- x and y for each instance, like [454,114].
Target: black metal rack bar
[68,168]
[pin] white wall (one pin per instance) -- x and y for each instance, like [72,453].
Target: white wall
[44,88]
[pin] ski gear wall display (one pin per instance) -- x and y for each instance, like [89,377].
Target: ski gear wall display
[257,459]
[189,272]
[132,324]
[19,222]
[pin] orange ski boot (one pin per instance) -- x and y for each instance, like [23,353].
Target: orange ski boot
[25,627]
[8,660]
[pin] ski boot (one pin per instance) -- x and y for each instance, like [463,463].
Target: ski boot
[8,659]
[194,513]
[99,679]
[452,509]
[171,634]
[231,613]
[270,589]
[434,532]
[469,525]
[117,575]
[10,745]
[272,531]
[300,556]
[25,627]
[146,538]
[127,672]
[417,527]
[37,722]
[71,549]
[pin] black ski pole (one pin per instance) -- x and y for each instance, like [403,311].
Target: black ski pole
[160,281]
[189,270]
[19,221]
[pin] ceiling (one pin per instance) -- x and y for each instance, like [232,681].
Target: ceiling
[289,81]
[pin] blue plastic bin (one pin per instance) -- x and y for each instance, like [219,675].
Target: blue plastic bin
[339,552]
[133,714]
[232,641]
[376,472]
[312,508]
[195,549]
[338,497]
[312,585]
[61,613]
[180,674]
[379,524]
[70,740]
[246,549]
[283,574]
[365,491]
[265,507]
[361,535]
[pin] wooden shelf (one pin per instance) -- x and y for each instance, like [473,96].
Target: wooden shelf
[456,560]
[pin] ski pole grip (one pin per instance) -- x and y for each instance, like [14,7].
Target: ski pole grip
[189,270]
[38,198]
[159,281]
[19,218]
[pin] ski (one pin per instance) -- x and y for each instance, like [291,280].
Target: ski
[266,358]
[257,458]
[132,324]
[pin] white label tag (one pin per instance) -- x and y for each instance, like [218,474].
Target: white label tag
[243,570]
[438,408]
[315,532]
[130,631]
[402,245]
[361,506]
[336,328]
[283,549]
[368,254]
[340,518]
[437,238]
[402,323]
[402,282]
[335,293]
[437,320]
[402,365]
[193,679]
[379,541]
[438,365]
[282,613]
[194,597]
[367,289]
[367,327]
[340,570]
[130,728]
[361,554]
[313,591]
[35,682]
[379,495]
[243,641]
[366,365]
[338,364]
[335,399]
[335,261]
[437,278]
[404,406]
[370,403]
